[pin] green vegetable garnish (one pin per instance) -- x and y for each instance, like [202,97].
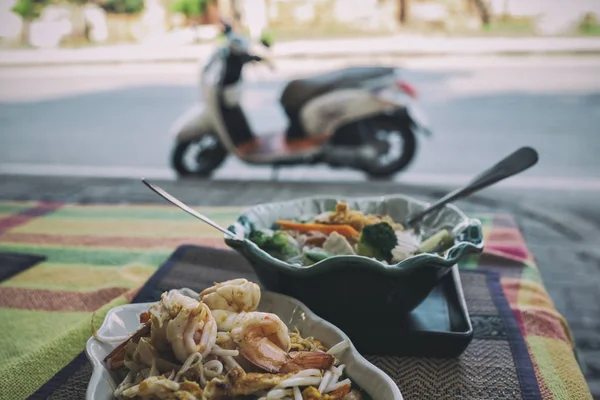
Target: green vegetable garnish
[437,243]
[278,244]
[377,241]
[316,255]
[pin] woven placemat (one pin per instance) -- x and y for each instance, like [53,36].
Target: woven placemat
[14,263]
[496,365]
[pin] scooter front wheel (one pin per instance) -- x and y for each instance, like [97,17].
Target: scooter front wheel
[198,157]
[396,145]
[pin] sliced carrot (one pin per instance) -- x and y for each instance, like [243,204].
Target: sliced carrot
[344,230]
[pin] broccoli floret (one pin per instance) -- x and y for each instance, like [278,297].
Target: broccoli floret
[283,243]
[260,238]
[278,244]
[377,240]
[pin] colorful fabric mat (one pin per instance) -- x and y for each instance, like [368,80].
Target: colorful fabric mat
[98,256]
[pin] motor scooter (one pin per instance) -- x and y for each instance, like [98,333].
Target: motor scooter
[365,118]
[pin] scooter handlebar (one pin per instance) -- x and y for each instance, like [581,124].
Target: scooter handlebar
[262,59]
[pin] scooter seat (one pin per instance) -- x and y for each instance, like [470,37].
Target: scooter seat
[299,91]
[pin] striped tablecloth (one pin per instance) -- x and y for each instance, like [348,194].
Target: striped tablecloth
[97,256]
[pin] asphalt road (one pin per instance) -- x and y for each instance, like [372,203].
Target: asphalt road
[114,120]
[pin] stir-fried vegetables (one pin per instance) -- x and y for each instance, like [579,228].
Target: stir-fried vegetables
[346,232]
[185,351]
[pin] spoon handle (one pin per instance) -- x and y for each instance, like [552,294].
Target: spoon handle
[188,209]
[516,162]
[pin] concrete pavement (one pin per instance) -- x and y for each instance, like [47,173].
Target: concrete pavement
[388,46]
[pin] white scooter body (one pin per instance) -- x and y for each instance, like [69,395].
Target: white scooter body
[321,116]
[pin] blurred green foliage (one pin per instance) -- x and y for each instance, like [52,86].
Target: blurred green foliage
[589,24]
[122,6]
[189,8]
[29,9]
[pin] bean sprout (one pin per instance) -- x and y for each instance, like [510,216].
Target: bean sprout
[338,385]
[230,363]
[218,351]
[110,339]
[277,394]
[338,348]
[325,381]
[213,368]
[153,370]
[299,381]
[126,384]
[337,373]
[309,372]
[188,364]
[297,394]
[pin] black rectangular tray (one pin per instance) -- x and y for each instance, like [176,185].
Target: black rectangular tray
[438,327]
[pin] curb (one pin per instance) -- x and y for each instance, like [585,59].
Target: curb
[301,56]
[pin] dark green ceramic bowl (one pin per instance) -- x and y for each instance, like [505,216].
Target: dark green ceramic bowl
[348,289]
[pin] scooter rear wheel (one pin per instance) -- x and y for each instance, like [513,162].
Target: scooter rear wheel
[388,133]
[198,157]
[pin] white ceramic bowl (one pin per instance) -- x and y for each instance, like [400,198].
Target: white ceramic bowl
[124,320]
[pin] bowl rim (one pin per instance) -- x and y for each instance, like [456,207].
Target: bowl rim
[460,247]
[98,368]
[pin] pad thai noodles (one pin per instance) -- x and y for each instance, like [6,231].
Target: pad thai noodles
[218,347]
[346,232]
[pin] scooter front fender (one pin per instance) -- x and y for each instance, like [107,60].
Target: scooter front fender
[418,119]
[194,123]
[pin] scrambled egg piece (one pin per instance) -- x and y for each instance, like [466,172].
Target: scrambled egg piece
[312,393]
[356,219]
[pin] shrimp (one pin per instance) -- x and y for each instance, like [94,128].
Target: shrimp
[225,319]
[116,357]
[184,323]
[263,339]
[235,295]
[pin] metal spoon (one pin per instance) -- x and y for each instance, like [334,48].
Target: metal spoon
[511,165]
[188,209]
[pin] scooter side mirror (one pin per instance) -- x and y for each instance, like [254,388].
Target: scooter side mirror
[227,28]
